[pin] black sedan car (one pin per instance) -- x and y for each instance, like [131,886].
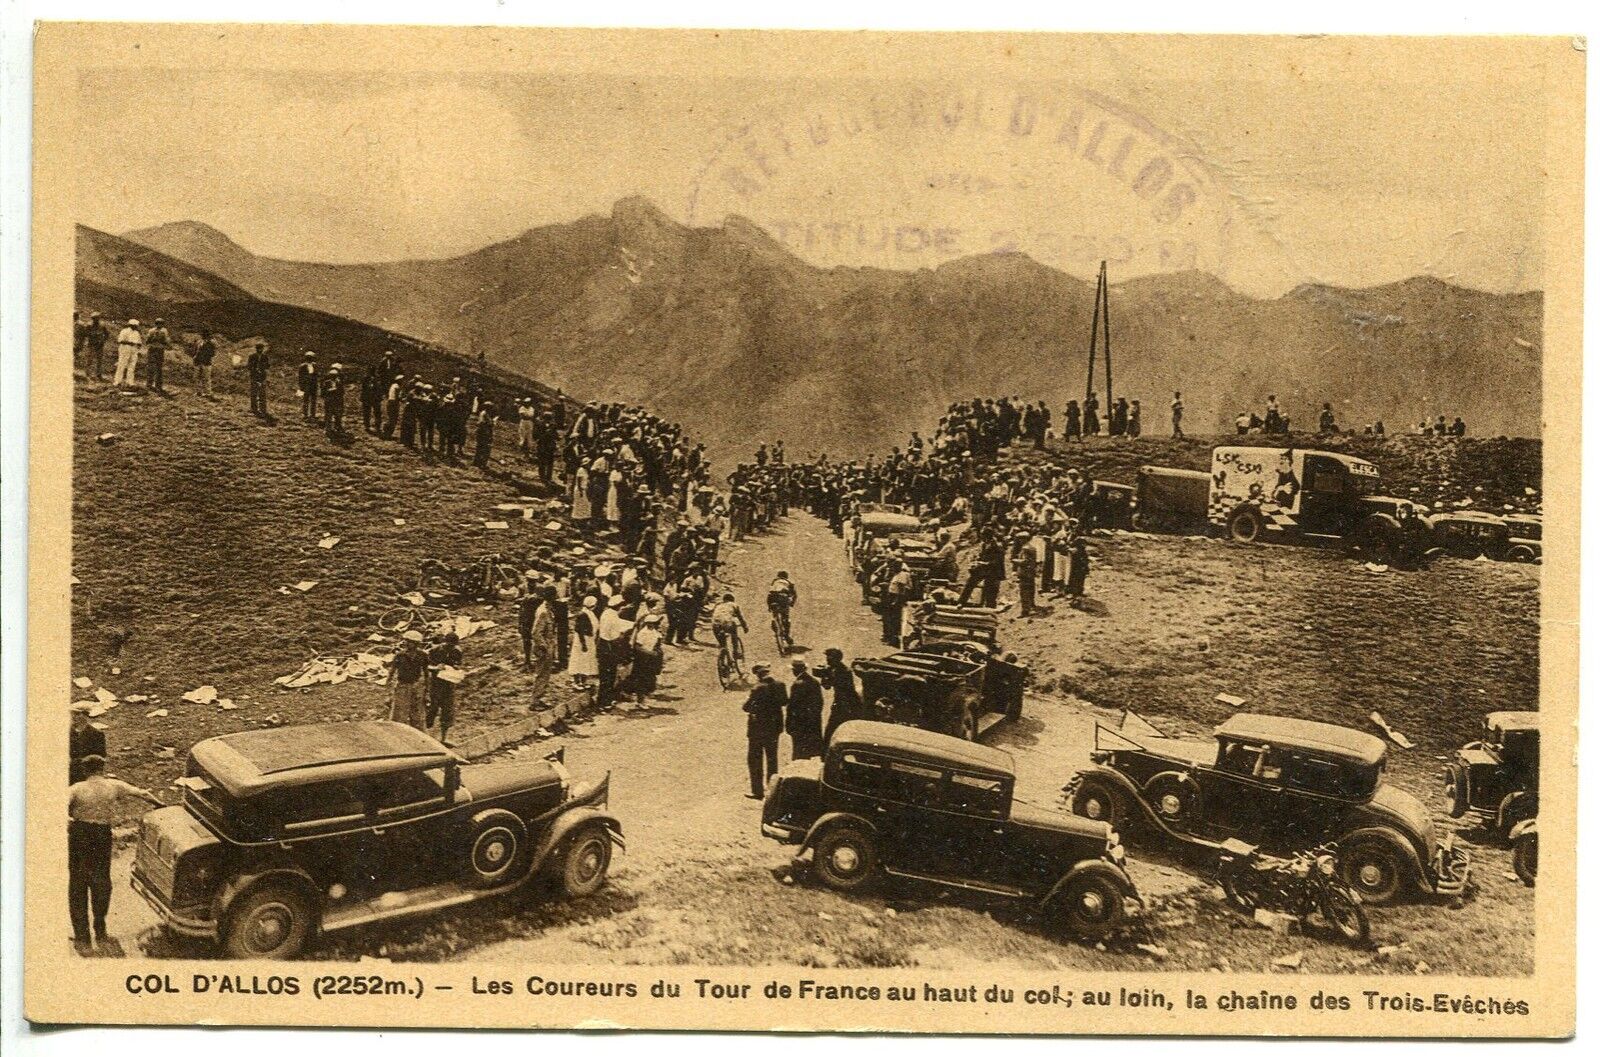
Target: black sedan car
[909,803]
[288,832]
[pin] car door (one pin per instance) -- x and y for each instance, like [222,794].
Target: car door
[1325,497]
[414,833]
[939,830]
[1311,801]
[1239,795]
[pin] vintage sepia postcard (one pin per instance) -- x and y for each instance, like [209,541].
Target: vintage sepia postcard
[1021,533]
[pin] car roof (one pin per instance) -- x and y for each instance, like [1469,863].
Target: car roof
[1513,720]
[256,761]
[888,519]
[914,741]
[1304,734]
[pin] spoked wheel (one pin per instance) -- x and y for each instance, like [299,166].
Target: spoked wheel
[397,619]
[1240,896]
[1341,908]
[1525,858]
[585,861]
[270,921]
[845,859]
[1094,800]
[725,668]
[1090,905]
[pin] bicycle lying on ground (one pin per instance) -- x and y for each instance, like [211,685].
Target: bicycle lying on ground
[484,580]
[408,615]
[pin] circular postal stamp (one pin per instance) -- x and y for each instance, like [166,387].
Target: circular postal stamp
[912,176]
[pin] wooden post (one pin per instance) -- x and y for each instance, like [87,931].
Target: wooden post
[1105,290]
[1094,335]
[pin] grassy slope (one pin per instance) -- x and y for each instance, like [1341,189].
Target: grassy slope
[185,528]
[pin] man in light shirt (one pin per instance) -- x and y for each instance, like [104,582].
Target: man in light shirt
[129,341]
[93,806]
[610,647]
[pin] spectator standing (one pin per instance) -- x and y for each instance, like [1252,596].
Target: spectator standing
[847,704]
[333,402]
[307,382]
[442,692]
[130,340]
[1177,414]
[156,343]
[803,719]
[95,336]
[1134,428]
[406,682]
[205,352]
[763,726]
[256,367]
[93,806]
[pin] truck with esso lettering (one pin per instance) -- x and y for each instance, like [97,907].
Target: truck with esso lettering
[1285,494]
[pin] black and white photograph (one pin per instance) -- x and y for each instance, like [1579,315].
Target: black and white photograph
[928,532]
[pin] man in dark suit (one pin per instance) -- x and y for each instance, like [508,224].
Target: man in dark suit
[804,718]
[764,726]
[847,704]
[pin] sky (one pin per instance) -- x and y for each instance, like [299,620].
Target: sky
[1263,176]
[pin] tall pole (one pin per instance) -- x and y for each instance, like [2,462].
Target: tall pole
[1105,287]
[1094,333]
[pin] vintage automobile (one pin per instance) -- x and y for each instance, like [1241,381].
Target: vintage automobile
[1285,784]
[288,832]
[906,803]
[1469,533]
[1497,778]
[1527,538]
[945,687]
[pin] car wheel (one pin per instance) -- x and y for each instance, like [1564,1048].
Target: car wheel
[1525,858]
[1174,800]
[584,861]
[1520,553]
[969,723]
[1098,801]
[1455,790]
[497,850]
[1245,525]
[1090,905]
[845,859]
[271,921]
[1375,869]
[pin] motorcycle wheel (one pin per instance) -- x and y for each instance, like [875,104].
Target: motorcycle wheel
[1240,896]
[1342,910]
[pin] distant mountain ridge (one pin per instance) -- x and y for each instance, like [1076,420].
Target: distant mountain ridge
[727,330]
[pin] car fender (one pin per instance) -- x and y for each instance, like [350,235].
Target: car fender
[1512,802]
[1123,784]
[568,821]
[832,818]
[1112,871]
[1395,839]
[239,884]
[1527,825]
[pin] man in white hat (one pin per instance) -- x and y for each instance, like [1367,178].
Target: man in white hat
[130,340]
[333,401]
[406,683]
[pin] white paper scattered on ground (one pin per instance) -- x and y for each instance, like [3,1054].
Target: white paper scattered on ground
[105,697]
[159,713]
[305,585]
[201,695]
[553,526]
[1393,735]
[83,682]
[399,521]
[496,525]
[327,543]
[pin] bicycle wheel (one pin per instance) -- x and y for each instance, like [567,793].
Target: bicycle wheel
[397,619]
[777,636]
[725,669]
[507,578]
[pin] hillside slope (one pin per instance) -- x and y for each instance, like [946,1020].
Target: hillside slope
[635,306]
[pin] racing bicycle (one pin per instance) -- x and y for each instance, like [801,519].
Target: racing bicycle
[485,580]
[781,633]
[730,658]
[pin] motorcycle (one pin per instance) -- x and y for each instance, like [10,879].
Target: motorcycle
[1306,883]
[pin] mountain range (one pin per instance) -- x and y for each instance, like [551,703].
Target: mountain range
[728,331]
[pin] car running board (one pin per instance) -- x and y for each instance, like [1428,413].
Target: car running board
[975,886]
[412,901]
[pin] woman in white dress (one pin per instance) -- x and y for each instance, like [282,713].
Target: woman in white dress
[584,663]
[581,510]
[613,500]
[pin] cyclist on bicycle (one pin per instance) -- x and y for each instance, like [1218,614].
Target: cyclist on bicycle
[781,597]
[726,620]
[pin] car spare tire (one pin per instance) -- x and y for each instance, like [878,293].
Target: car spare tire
[497,849]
